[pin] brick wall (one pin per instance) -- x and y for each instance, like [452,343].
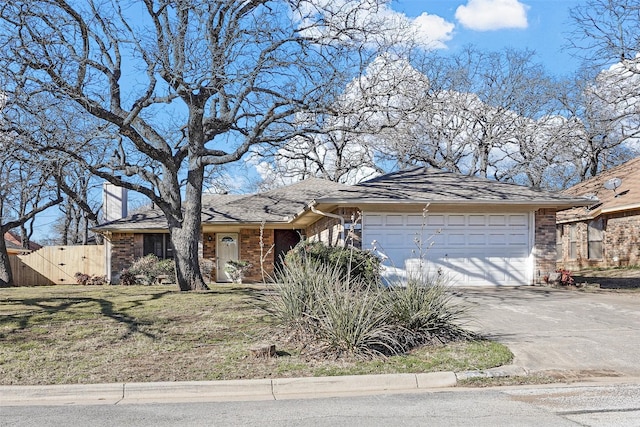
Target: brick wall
[622,239]
[620,244]
[329,230]
[545,244]
[123,251]
[250,251]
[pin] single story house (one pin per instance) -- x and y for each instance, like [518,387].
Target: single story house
[607,232]
[476,231]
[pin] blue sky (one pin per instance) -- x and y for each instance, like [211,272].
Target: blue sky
[539,25]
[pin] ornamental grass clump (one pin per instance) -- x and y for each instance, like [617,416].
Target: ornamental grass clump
[335,313]
[298,287]
[352,263]
[331,314]
[423,310]
[354,320]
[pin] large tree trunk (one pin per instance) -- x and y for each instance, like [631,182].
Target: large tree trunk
[6,277]
[185,254]
[185,235]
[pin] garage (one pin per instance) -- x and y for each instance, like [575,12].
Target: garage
[470,249]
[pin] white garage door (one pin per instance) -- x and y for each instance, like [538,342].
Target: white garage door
[472,249]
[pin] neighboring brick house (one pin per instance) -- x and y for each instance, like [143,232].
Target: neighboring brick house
[474,230]
[607,232]
[13,243]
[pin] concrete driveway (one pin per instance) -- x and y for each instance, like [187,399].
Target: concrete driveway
[589,333]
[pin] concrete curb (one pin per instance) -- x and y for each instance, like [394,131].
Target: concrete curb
[61,394]
[359,384]
[230,390]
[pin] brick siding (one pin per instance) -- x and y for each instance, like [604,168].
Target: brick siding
[329,230]
[123,252]
[622,240]
[250,251]
[544,244]
[620,244]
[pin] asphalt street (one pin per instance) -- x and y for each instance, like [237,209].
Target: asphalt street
[585,405]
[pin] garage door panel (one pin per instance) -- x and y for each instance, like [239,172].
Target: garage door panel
[394,220]
[372,220]
[456,220]
[518,239]
[456,239]
[477,220]
[477,239]
[500,220]
[415,220]
[434,220]
[481,249]
[518,220]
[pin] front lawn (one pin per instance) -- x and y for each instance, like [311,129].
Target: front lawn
[104,334]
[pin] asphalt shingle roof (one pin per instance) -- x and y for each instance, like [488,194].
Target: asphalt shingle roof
[418,185]
[624,197]
[426,185]
[278,205]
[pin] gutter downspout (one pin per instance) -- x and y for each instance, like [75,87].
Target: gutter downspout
[335,216]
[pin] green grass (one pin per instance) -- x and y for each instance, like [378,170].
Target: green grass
[87,334]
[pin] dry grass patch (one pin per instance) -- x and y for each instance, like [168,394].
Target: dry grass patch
[72,334]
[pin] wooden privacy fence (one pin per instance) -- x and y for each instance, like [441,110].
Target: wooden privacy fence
[56,265]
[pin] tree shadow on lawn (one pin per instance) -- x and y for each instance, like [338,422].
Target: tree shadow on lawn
[71,305]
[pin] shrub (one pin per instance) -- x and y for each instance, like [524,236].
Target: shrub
[86,279]
[565,277]
[355,321]
[127,278]
[206,267]
[323,300]
[353,264]
[81,278]
[150,267]
[237,270]
[322,306]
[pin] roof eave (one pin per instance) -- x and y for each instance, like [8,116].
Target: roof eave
[571,203]
[600,211]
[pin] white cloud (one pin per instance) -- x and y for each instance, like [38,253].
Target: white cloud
[487,15]
[432,30]
[371,22]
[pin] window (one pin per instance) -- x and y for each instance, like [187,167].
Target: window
[573,241]
[594,238]
[159,245]
[559,254]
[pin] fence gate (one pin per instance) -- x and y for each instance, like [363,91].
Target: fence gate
[57,265]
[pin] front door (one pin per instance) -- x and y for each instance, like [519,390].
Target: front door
[284,241]
[226,250]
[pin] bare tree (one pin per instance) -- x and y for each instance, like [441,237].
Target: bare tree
[599,128]
[79,211]
[27,187]
[186,84]
[477,113]
[605,32]
[606,99]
